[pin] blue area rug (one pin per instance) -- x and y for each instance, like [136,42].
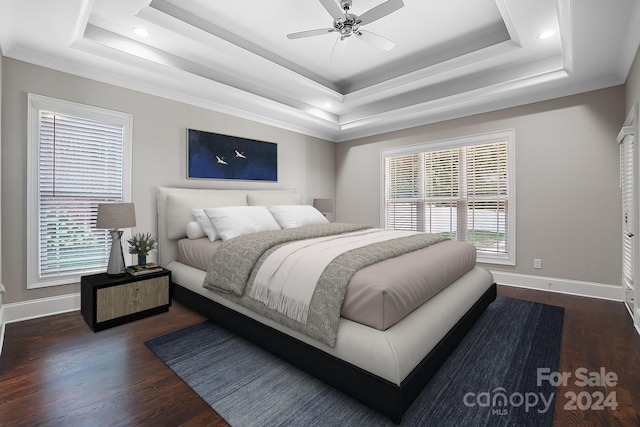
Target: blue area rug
[489,380]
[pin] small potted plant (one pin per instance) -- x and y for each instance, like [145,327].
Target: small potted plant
[141,244]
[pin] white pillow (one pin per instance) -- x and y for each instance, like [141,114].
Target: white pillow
[203,220]
[180,204]
[290,216]
[194,231]
[235,221]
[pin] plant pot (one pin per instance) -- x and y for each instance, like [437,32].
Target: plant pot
[142,259]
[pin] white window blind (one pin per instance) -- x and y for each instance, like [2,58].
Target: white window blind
[77,161]
[462,192]
[628,200]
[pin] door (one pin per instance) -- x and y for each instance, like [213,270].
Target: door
[630,185]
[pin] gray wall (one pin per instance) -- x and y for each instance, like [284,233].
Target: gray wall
[1,283]
[633,84]
[567,182]
[569,141]
[159,155]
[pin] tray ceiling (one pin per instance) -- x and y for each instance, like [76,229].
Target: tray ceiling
[451,58]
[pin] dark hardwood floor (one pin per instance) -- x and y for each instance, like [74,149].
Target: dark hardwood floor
[55,372]
[596,334]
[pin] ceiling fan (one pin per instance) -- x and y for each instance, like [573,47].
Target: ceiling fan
[347,24]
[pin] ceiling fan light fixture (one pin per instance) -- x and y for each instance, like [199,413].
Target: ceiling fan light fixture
[346,24]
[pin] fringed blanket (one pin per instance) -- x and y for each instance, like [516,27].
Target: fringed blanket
[288,278]
[233,269]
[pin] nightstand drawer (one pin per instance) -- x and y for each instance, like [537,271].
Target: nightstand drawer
[107,301]
[121,300]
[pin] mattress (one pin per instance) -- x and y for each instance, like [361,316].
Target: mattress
[391,354]
[382,294]
[197,252]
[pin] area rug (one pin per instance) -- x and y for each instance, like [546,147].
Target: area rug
[491,379]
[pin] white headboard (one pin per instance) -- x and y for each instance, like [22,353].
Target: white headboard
[175,205]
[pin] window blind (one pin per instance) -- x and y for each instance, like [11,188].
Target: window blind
[80,166]
[628,229]
[461,193]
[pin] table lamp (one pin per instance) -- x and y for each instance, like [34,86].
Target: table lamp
[115,217]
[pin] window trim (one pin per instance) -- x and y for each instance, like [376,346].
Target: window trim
[37,103]
[452,143]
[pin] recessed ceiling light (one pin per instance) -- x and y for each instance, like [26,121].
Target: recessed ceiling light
[546,34]
[328,105]
[141,32]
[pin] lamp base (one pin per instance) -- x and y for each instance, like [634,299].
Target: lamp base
[116,267]
[116,275]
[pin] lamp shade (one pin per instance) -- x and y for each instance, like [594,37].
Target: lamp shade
[116,215]
[323,205]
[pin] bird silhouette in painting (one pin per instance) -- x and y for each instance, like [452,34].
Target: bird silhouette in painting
[220,160]
[239,154]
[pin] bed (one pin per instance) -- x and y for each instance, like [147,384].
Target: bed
[384,366]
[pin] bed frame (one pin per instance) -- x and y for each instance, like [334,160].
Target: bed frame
[379,394]
[389,399]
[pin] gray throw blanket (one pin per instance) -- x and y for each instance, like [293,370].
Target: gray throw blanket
[234,266]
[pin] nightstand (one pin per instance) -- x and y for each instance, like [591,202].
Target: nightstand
[110,301]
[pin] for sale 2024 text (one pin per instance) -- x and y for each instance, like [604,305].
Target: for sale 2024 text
[582,377]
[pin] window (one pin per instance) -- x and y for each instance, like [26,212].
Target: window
[78,156]
[462,189]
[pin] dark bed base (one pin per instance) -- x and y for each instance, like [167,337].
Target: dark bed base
[379,394]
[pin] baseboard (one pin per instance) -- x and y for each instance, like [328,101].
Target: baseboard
[562,286]
[25,310]
[31,309]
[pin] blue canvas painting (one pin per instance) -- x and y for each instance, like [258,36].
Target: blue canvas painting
[215,156]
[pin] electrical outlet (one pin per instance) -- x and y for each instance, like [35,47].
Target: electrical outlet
[537,263]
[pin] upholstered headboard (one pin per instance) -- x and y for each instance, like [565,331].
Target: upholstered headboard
[175,206]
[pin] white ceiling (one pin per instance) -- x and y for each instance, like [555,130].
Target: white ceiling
[452,58]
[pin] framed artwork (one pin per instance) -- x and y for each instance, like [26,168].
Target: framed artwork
[216,156]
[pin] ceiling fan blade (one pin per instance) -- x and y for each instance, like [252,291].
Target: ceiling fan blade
[333,8]
[338,48]
[376,40]
[310,33]
[380,11]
